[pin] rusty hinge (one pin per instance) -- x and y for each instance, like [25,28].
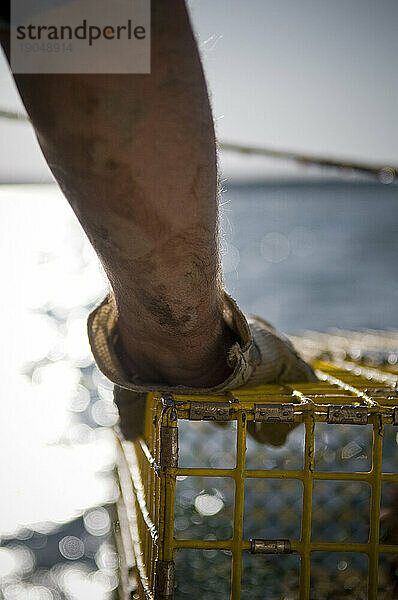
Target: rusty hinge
[259,546]
[347,415]
[165,580]
[168,446]
[209,411]
[274,413]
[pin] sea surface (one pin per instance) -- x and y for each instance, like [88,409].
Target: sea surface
[304,255]
[313,256]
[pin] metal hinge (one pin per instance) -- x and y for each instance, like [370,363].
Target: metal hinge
[259,546]
[165,580]
[168,446]
[274,413]
[347,415]
[395,416]
[209,411]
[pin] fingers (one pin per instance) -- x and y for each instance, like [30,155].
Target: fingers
[131,407]
[278,361]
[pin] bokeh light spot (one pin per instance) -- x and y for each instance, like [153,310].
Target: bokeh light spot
[275,247]
[208,504]
[71,547]
[97,521]
[105,413]
[8,563]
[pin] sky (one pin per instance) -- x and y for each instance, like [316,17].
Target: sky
[316,76]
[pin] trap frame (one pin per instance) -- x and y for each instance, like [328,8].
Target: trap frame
[348,392]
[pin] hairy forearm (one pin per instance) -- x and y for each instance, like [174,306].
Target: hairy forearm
[135,156]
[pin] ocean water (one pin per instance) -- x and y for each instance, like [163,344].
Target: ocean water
[304,255]
[313,255]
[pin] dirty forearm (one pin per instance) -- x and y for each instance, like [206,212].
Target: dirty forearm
[135,156]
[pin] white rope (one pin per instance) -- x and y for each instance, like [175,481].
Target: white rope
[6,114]
[384,173]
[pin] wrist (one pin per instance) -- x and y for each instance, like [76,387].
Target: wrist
[191,361]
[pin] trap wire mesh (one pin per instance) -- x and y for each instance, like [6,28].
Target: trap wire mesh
[170,532]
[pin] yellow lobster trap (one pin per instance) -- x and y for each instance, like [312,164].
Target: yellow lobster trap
[353,390]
